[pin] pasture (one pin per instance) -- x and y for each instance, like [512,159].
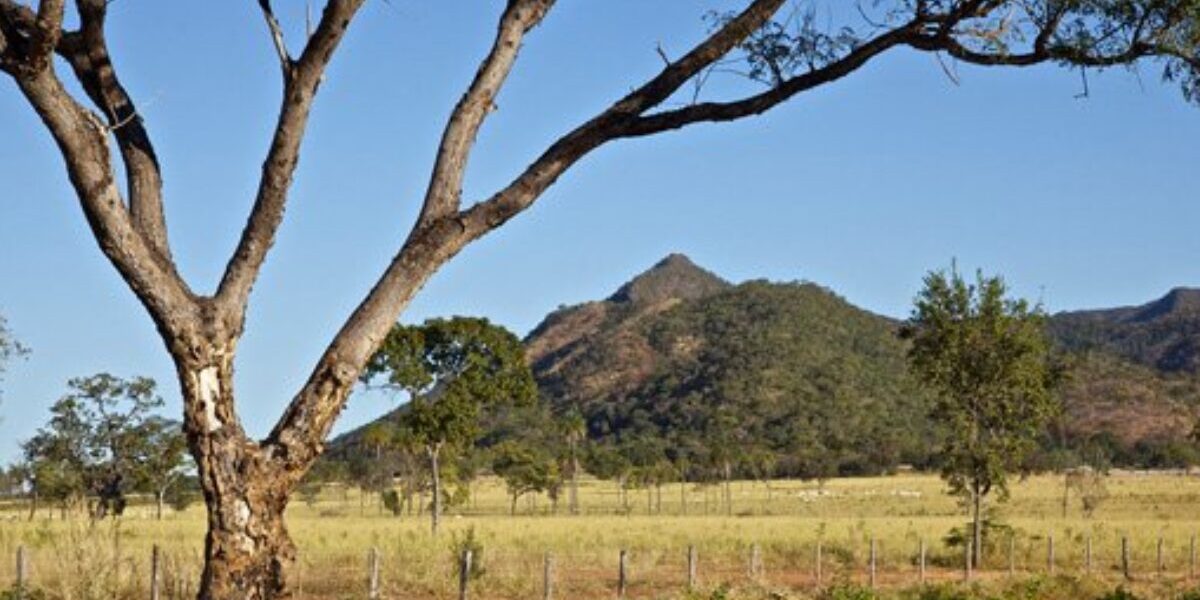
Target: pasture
[74,559]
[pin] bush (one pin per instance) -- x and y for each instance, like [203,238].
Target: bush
[459,544]
[848,592]
[1119,594]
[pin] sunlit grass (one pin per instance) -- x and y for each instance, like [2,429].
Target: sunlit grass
[74,560]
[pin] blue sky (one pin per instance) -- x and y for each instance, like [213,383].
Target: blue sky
[862,185]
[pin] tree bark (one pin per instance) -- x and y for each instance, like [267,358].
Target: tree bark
[158,504]
[435,512]
[247,550]
[574,491]
[976,529]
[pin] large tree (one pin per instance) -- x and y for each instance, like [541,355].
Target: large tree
[987,359]
[247,482]
[453,371]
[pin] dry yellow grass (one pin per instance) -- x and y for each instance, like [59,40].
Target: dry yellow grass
[74,560]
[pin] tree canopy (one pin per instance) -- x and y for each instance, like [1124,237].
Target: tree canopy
[987,359]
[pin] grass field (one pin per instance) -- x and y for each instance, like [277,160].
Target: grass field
[74,560]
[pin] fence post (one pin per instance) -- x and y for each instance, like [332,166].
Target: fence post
[548,577]
[818,562]
[756,567]
[1012,554]
[464,574]
[872,562]
[921,561]
[1192,558]
[373,574]
[967,551]
[622,574]
[1162,564]
[154,573]
[1125,556]
[21,574]
[1087,556]
[1050,554]
[691,568]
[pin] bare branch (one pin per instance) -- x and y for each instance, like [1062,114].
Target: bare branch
[285,60]
[444,193]
[89,58]
[300,90]
[46,34]
[298,436]
[81,137]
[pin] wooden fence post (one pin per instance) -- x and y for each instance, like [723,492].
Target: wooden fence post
[1192,558]
[622,574]
[21,574]
[1162,562]
[1050,554]
[873,562]
[818,562]
[464,574]
[548,577]
[373,574]
[921,561]
[1125,557]
[1012,554]
[756,568]
[155,577]
[691,568]
[1087,556]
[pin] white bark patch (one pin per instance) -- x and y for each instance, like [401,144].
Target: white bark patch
[209,385]
[241,518]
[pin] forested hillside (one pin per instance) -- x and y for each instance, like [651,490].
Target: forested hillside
[680,369]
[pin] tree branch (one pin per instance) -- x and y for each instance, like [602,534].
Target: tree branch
[285,60]
[82,139]
[300,89]
[89,58]
[444,193]
[299,435]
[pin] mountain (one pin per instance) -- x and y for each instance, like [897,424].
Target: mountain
[1163,335]
[680,356]
[680,364]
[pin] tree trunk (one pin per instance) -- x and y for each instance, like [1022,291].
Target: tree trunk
[512,512]
[976,529]
[574,491]
[728,488]
[435,513]
[158,504]
[247,550]
[33,504]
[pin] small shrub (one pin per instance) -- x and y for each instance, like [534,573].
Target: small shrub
[27,594]
[848,592]
[1119,594]
[460,543]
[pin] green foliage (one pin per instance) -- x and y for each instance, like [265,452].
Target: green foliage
[1121,593]
[987,359]
[103,441]
[524,470]
[26,594]
[391,501]
[460,542]
[453,370]
[847,592]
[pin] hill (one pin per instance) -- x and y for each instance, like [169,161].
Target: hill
[1163,335]
[682,367]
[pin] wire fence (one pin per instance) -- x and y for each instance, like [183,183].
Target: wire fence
[163,575]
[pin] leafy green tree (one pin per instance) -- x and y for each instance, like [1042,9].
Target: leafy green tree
[524,470]
[164,462]
[987,359]
[103,441]
[453,370]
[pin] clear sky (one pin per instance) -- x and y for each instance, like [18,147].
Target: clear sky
[862,185]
